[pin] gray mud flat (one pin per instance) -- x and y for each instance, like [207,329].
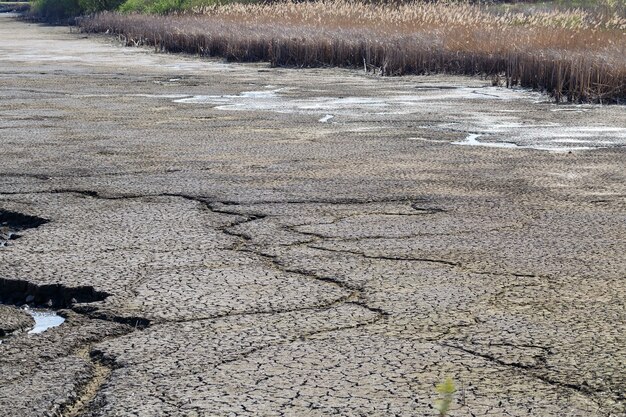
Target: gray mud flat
[239,240]
[13,320]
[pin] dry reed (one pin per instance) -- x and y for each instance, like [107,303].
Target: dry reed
[572,55]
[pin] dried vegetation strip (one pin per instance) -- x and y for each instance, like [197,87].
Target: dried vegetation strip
[573,55]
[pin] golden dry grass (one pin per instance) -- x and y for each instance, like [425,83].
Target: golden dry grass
[574,55]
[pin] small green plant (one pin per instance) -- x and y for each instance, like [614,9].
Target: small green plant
[62,10]
[170,6]
[447,390]
[153,6]
[93,6]
[55,10]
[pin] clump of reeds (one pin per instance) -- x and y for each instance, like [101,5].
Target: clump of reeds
[573,55]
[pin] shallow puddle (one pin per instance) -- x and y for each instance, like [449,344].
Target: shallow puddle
[44,320]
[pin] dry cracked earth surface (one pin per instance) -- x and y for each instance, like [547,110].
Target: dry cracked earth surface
[240,240]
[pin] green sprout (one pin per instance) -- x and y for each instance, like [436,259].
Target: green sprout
[447,390]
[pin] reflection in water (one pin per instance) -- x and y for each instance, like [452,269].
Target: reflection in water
[44,320]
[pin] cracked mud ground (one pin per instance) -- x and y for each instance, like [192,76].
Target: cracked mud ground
[238,261]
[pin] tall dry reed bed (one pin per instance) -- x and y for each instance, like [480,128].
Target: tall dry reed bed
[572,55]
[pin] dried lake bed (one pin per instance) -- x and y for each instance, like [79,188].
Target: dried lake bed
[234,239]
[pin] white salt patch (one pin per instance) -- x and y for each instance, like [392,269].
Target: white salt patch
[366,129]
[558,149]
[257,94]
[576,108]
[247,100]
[508,130]
[580,141]
[602,129]
[425,140]
[170,96]
[200,65]
[269,100]
[472,140]
[203,100]
[574,141]
[344,103]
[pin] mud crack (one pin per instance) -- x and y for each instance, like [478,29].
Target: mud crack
[355,293]
[100,373]
[534,371]
[11,223]
[387,257]
[379,316]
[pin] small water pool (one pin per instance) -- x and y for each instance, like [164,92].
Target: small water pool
[44,320]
